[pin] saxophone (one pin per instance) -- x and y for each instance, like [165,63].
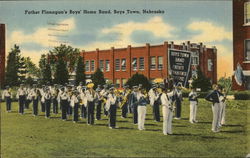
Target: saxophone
[125,98]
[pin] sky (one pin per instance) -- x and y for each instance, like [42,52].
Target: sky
[209,22]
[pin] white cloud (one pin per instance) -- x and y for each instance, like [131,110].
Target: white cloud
[42,35]
[155,25]
[209,32]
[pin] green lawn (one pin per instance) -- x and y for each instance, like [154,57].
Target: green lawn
[28,136]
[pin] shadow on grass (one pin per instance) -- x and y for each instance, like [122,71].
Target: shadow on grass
[122,121]
[212,137]
[237,131]
[98,124]
[150,124]
[125,128]
[180,126]
[205,122]
[153,130]
[233,125]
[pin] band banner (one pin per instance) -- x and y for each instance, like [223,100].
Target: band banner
[179,62]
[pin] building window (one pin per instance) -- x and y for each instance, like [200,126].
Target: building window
[123,64]
[87,66]
[124,81]
[209,65]
[247,13]
[101,65]
[141,63]
[195,58]
[160,63]
[117,82]
[247,50]
[107,65]
[92,66]
[152,63]
[117,64]
[134,63]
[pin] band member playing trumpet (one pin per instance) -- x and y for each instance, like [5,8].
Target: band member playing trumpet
[111,106]
[55,92]
[98,103]
[63,98]
[104,93]
[133,103]
[154,97]
[35,94]
[47,97]
[141,108]
[21,97]
[193,98]
[91,97]
[83,102]
[74,103]
[7,95]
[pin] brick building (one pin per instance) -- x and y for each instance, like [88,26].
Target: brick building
[2,54]
[241,40]
[119,64]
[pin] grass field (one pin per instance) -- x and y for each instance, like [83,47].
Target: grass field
[28,136]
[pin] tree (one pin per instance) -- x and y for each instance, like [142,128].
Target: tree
[13,67]
[137,79]
[80,72]
[225,82]
[201,81]
[45,70]
[32,69]
[67,53]
[98,78]
[22,71]
[61,74]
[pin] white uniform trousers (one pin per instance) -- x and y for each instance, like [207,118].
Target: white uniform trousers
[216,117]
[141,116]
[167,120]
[222,113]
[193,110]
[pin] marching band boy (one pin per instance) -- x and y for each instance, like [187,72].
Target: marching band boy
[142,109]
[7,95]
[74,103]
[64,97]
[154,95]
[111,106]
[178,102]
[193,98]
[133,102]
[98,104]
[47,97]
[214,98]
[167,111]
[21,97]
[34,93]
[91,97]
[83,103]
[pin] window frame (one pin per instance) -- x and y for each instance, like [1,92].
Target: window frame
[123,68]
[160,66]
[245,23]
[140,63]
[87,65]
[91,66]
[107,69]
[101,66]
[245,50]
[152,67]
[134,68]
[117,67]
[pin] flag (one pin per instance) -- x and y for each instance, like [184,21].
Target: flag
[239,76]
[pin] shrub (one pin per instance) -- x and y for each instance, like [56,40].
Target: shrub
[242,95]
